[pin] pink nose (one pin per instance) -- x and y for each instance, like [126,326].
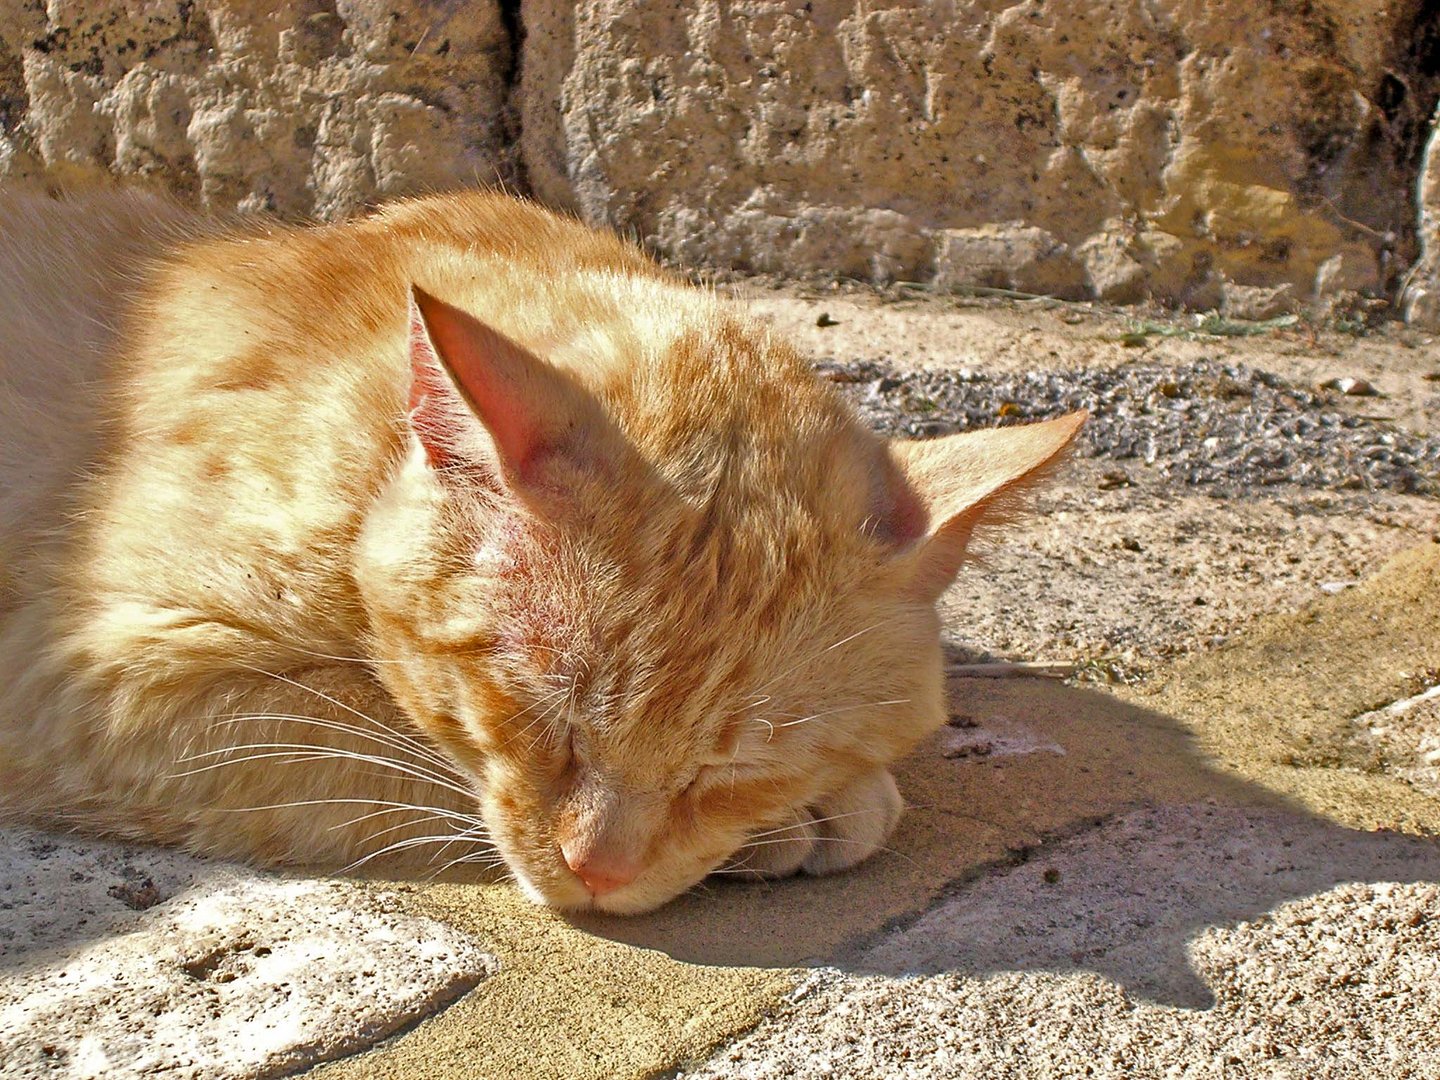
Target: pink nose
[600,872]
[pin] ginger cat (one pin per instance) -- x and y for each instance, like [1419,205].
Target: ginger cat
[462,531]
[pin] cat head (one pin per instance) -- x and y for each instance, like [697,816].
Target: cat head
[660,604]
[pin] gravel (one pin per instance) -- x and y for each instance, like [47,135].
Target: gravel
[1225,428]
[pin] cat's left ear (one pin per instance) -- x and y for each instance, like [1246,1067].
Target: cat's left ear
[484,406]
[957,482]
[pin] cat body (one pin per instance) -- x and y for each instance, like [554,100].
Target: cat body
[459,531]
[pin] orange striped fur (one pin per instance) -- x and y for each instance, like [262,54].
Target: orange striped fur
[570,569]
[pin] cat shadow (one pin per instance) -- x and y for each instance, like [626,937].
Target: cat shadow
[1060,830]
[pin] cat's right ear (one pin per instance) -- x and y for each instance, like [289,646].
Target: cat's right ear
[484,408]
[957,483]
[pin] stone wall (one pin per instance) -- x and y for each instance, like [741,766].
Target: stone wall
[1250,154]
[314,108]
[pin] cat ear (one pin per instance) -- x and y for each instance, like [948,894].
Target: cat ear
[957,482]
[482,403]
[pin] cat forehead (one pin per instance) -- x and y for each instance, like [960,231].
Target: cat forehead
[588,321]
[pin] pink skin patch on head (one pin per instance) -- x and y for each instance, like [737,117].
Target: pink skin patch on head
[544,627]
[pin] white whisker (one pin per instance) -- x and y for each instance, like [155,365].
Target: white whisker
[396,741]
[363,660]
[421,817]
[297,752]
[418,771]
[404,845]
[322,696]
[550,697]
[844,708]
[541,719]
[816,655]
[485,860]
[799,824]
[391,807]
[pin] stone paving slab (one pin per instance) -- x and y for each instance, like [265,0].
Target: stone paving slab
[117,961]
[1195,940]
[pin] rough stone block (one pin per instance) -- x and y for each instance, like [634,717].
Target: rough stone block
[1258,141]
[309,109]
[119,961]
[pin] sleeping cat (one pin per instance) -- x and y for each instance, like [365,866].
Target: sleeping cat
[461,531]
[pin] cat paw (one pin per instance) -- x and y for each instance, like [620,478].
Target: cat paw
[775,853]
[838,832]
[852,824]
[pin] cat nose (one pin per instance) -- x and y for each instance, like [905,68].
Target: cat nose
[601,873]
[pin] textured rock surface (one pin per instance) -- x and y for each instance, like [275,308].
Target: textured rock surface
[310,108]
[118,961]
[1099,147]
[1193,150]
[1421,298]
[1174,963]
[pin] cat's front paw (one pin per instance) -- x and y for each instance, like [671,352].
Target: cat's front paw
[835,834]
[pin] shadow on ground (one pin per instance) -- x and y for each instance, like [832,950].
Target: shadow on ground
[1065,830]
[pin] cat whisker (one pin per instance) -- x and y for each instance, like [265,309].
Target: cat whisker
[550,697]
[378,833]
[485,860]
[400,845]
[364,661]
[804,839]
[816,655]
[474,829]
[743,867]
[542,722]
[841,709]
[415,769]
[755,702]
[298,752]
[801,823]
[408,823]
[321,695]
[340,705]
[390,808]
[397,741]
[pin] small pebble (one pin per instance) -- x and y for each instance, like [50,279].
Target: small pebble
[1330,588]
[826,320]
[979,749]
[1351,387]
[1112,480]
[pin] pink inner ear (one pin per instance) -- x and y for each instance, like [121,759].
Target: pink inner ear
[471,386]
[898,515]
[436,413]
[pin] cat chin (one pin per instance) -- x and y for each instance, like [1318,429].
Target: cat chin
[536,895]
[630,900]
